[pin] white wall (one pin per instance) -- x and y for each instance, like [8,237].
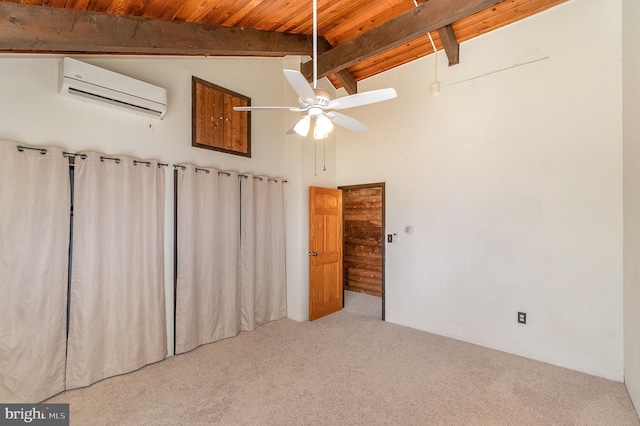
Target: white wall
[631,136]
[512,182]
[31,112]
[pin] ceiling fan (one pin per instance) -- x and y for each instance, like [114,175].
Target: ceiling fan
[320,109]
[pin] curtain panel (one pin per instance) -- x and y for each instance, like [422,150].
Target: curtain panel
[208,250]
[263,282]
[34,245]
[230,268]
[117,305]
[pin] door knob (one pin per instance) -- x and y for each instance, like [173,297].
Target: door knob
[312,253]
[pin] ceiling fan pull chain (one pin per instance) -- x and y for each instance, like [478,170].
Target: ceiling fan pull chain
[324,148]
[315,160]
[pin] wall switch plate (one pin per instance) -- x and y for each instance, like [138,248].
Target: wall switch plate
[394,238]
[522,317]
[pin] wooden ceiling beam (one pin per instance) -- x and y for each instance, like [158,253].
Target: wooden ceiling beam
[429,16]
[450,44]
[29,28]
[343,77]
[347,81]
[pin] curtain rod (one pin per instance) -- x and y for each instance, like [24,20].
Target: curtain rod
[83,156]
[74,154]
[42,151]
[240,175]
[66,154]
[136,162]
[261,179]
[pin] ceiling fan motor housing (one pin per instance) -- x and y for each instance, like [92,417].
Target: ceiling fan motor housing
[323,97]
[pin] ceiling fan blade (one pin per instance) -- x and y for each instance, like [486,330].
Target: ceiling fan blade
[258,108]
[363,98]
[291,131]
[347,122]
[301,86]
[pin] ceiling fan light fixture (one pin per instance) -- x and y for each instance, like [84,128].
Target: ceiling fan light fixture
[322,127]
[318,134]
[302,126]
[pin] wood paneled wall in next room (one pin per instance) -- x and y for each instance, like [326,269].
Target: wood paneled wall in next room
[363,213]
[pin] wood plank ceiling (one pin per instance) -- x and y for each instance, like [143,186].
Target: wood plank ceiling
[359,38]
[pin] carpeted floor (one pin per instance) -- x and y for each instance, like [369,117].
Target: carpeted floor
[349,369]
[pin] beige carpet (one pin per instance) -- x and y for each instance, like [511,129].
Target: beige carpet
[349,369]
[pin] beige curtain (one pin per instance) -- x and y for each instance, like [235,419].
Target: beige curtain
[263,285]
[34,244]
[208,244]
[117,311]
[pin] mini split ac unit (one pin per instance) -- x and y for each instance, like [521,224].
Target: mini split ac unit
[89,83]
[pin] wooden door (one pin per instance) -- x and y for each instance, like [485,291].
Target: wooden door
[325,251]
[364,246]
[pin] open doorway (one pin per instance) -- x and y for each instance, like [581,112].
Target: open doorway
[364,248]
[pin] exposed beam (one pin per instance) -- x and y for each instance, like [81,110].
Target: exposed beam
[450,44]
[348,82]
[344,77]
[417,22]
[28,28]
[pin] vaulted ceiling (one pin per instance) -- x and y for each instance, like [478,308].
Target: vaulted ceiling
[358,38]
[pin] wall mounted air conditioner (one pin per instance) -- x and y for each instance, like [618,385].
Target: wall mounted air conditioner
[89,83]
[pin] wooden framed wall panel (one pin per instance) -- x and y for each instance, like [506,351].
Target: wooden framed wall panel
[215,124]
